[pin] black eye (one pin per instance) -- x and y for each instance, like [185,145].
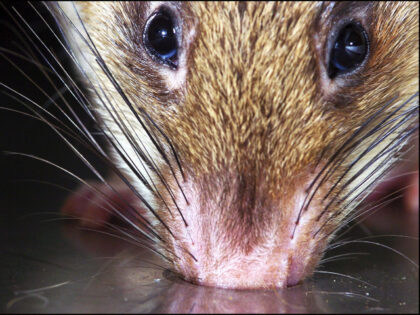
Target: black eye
[349,50]
[160,38]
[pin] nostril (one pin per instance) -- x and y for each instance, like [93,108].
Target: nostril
[295,272]
[292,281]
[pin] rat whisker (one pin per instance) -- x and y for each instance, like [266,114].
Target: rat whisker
[26,58]
[389,155]
[357,197]
[58,132]
[42,289]
[336,159]
[346,294]
[139,153]
[136,227]
[342,149]
[380,126]
[332,165]
[57,129]
[336,155]
[107,72]
[370,208]
[376,142]
[380,245]
[412,238]
[345,276]
[342,257]
[120,91]
[67,51]
[86,162]
[386,152]
[136,243]
[103,197]
[83,130]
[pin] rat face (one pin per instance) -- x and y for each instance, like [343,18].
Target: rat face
[251,130]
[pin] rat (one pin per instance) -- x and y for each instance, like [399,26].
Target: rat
[241,135]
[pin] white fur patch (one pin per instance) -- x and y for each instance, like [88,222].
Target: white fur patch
[86,63]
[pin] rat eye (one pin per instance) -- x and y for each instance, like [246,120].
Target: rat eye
[160,38]
[348,51]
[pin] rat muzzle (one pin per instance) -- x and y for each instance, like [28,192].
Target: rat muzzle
[239,236]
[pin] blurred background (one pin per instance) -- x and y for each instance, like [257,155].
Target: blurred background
[18,132]
[42,264]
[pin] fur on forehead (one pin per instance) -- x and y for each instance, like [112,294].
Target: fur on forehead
[252,102]
[252,97]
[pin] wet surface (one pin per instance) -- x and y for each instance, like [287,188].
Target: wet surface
[50,265]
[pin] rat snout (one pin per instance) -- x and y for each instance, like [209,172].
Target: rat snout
[244,241]
[273,264]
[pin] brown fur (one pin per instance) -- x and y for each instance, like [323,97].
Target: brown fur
[257,109]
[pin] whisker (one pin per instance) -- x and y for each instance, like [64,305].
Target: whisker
[385,151]
[25,58]
[345,276]
[71,135]
[341,257]
[118,88]
[380,245]
[103,66]
[384,123]
[335,157]
[136,227]
[86,162]
[380,205]
[347,294]
[347,142]
[365,152]
[77,152]
[82,130]
[127,240]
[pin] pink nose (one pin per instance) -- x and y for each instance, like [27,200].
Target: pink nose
[282,265]
[276,251]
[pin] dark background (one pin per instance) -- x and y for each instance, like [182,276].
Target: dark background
[19,133]
[34,253]
[27,184]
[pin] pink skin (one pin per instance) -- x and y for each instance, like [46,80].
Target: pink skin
[400,216]
[396,182]
[92,208]
[411,197]
[283,256]
[260,266]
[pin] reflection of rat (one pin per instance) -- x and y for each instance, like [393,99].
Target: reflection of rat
[243,134]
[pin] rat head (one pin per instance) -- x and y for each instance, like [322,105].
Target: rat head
[250,130]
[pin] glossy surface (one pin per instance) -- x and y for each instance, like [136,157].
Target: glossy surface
[349,50]
[49,265]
